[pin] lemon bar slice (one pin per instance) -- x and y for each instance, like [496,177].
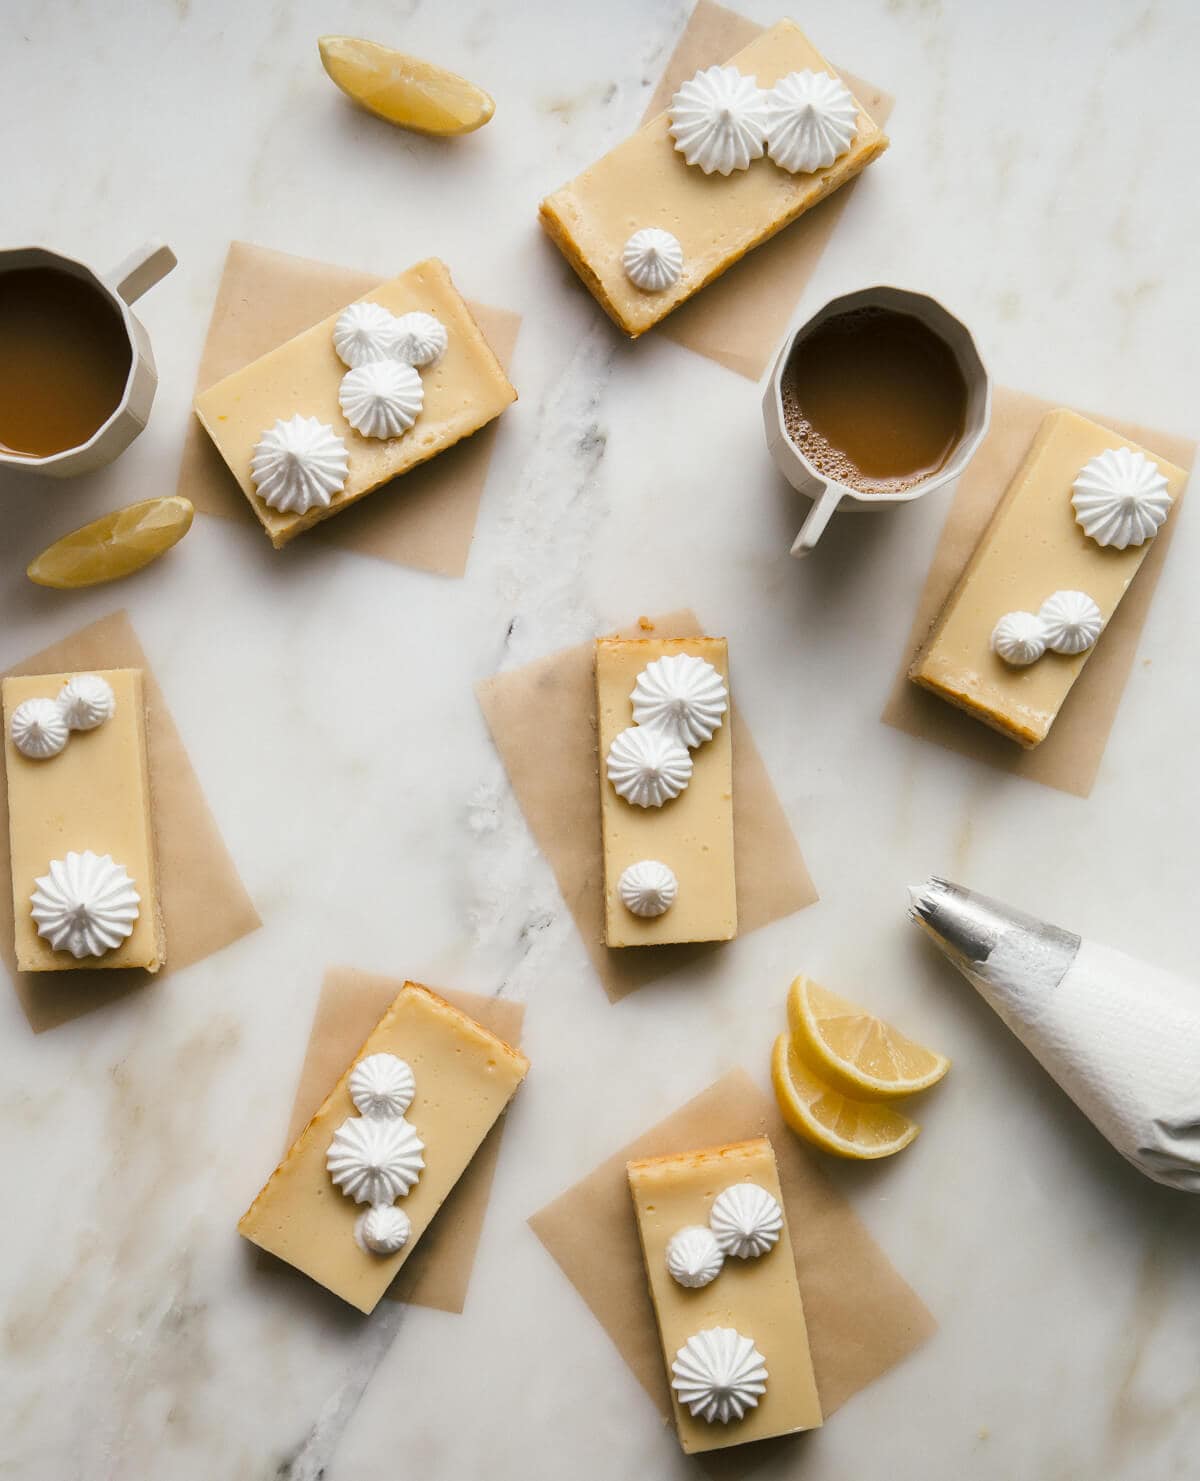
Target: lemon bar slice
[1033,548]
[754,1295]
[645,182]
[692,834]
[92,796]
[462,391]
[464,1076]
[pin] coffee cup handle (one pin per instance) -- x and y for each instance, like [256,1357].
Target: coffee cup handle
[818,517]
[141,270]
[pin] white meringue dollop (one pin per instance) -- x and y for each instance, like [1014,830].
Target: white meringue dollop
[1019,638]
[811,119]
[87,701]
[719,1375]
[694,1258]
[382,398]
[375,1159]
[648,888]
[383,1229]
[382,1085]
[652,259]
[648,767]
[420,339]
[39,728]
[364,332]
[1120,498]
[86,904]
[746,1220]
[1071,621]
[718,120]
[683,695]
[298,464]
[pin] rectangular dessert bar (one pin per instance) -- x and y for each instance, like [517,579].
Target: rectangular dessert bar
[1032,548]
[465,1076]
[717,219]
[692,834]
[93,795]
[758,1297]
[463,391]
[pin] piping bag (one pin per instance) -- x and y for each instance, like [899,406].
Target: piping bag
[1122,1038]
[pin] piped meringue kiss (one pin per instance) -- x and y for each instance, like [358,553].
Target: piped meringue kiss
[718,120]
[299,463]
[420,339]
[382,398]
[1071,621]
[652,259]
[683,695]
[1019,638]
[811,119]
[694,1258]
[39,728]
[383,1229]
[746,1220]
[364,332]
[1120,498]
[86,905]
[719,1375]
[375,1159]
[647,767]
[86,701]
[382,1085]
[648,888]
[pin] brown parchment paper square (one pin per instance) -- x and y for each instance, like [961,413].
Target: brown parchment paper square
[425,519]
[350,1005]
[543,721]
[204,904]
[862,1317]
[739,320]
[1069,758]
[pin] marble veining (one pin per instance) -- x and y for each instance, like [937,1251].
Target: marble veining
[139,1336]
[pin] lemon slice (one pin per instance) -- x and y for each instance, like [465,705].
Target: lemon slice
[114,545]
[858,1129]
[405,90]
[859,1055]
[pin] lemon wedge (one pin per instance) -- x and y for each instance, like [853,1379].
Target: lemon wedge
[405,90]
[857,1054]
[857,1129]
[115,545]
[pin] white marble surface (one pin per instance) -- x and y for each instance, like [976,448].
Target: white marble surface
[1040,181]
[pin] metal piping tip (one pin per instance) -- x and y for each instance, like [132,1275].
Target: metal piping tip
[987,940]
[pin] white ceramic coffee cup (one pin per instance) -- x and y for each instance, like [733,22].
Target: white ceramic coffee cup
[827,493]
[124,285]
